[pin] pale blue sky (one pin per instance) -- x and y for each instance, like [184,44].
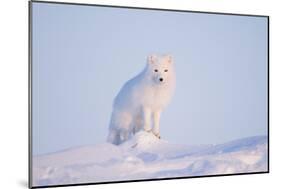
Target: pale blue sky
[82,55]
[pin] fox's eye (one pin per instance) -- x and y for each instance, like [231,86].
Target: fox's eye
[156,70]
[165,70]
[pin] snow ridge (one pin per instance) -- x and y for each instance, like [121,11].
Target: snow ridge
[144,156]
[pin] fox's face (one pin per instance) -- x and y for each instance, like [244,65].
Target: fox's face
[160,68]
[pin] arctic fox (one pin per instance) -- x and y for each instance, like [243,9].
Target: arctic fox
[141,100]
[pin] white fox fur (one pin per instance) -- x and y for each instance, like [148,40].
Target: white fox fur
[141,100]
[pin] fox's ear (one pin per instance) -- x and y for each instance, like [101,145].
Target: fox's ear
[169,58]
[151,59]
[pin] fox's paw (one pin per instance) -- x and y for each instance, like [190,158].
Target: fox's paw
[157,135]
[149,131]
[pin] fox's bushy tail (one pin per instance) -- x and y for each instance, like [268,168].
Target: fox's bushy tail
[114,137]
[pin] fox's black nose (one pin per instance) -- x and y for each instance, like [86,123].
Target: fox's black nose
[161,79]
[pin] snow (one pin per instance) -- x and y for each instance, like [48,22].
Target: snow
[144,156]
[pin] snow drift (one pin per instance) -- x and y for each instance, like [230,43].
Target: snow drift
[144,157]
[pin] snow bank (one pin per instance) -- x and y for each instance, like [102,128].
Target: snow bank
[144,157]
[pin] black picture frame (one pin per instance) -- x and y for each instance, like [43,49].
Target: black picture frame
[30,34]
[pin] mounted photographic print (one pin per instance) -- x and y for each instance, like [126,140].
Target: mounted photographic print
[122,94]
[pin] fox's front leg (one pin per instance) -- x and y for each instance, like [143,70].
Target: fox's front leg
[156,124]
[147,119]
